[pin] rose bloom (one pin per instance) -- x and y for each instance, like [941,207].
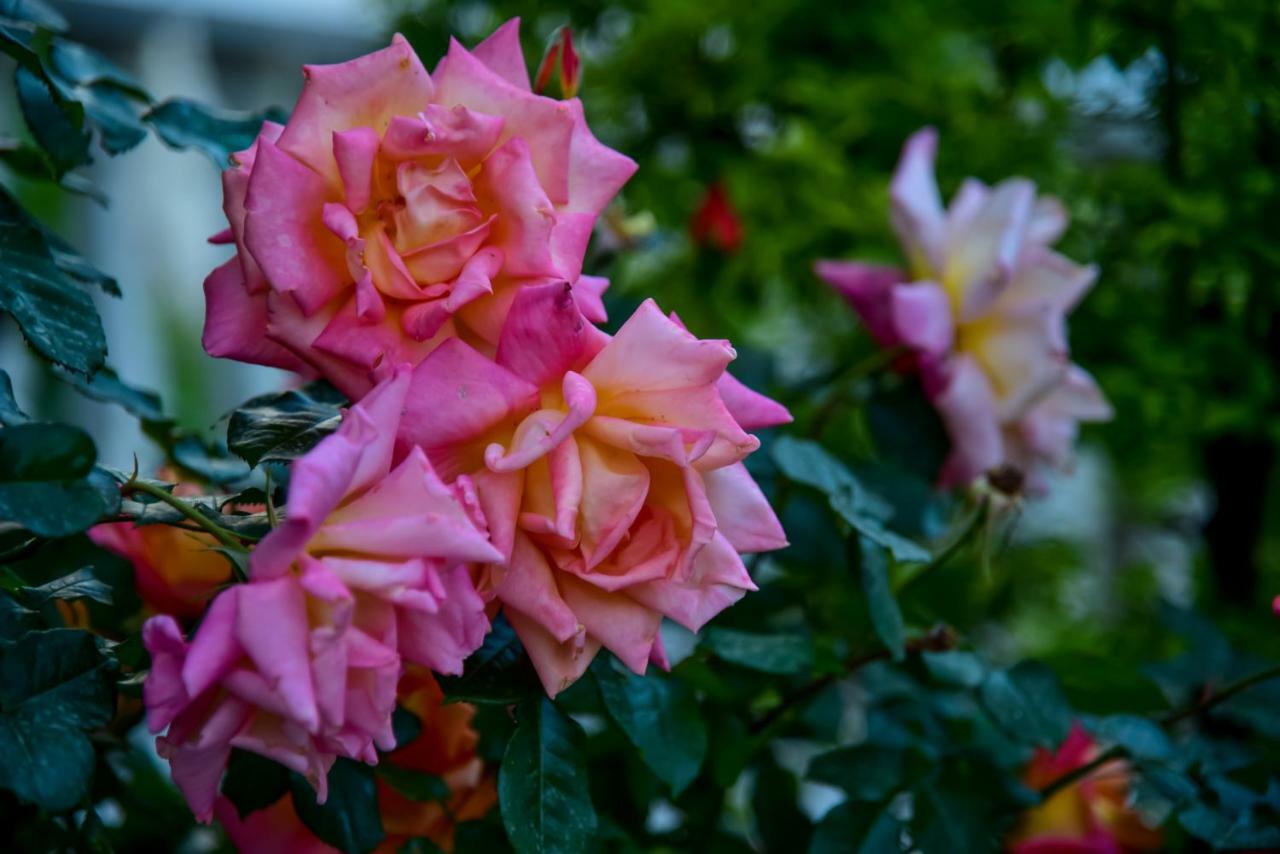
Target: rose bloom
[1091,816]
[301,664]
[982,307]
[397,208]
[609,470]
[176,571]
[446,748]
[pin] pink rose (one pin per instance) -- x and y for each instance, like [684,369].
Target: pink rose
[368,568]
[610,471]
[398,208]
[983,305]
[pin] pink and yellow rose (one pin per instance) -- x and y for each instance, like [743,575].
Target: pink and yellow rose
[397,208]
[368,570]
[610,472]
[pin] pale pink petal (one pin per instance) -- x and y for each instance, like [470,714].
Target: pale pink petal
[614,487]
[235,322]
[529,586]
[354,151]
[457,394]
[718,580]
[559,664]
[751,409]
[215,649]
[501,52]
[508,185]
[164,692]
[596,172]
[922,317]
[456,132]
[916,206]
[982,257]
[543,431]
[1045,279]
[588,292]
[271,625]
[697,412]
[963,397]
[622,625]
[743,515]
[1048,221]
[652,353]
[284,231]
[442,641]
[363,92]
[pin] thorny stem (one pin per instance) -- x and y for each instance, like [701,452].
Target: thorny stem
[962,537]
[1201,706]
[227,538]
[939,639]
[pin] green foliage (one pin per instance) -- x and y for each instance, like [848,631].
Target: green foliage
[542,785]
[47,480]
[348,819]
[280,427]
[498,672]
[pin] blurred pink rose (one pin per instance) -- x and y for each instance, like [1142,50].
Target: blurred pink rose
[609,470]
[983,305]
[369,567]
[398,208]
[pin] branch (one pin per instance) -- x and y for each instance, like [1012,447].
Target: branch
[939,639]
[226,537]
[1200,707]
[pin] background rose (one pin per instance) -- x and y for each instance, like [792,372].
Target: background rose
[398,207]
[982,304]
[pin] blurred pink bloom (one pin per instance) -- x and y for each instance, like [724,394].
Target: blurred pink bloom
[983,305]
[609,470]
[398,208]
[369,567]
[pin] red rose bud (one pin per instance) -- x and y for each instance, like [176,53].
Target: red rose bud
[570,65]
[548,64]
[716,221]
[560,52]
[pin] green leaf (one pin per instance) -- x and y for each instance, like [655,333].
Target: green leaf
[405,725]
[45,479]
[498,672]
[414,785]
[186,124]
[71,263]
[781,654]
[542,785]
[54,685]
[422,845]
[806,462]
[106,386]
[1141,737]
[886,617]
[348,819]
[81,584]
[955,667]
[1027,704]
[10,413]
[280,427]
[208,462]
[16,619]
[105,91]
[867,772]
[57,125]
[253,782]
[56,316]
[660,716]
[856,828]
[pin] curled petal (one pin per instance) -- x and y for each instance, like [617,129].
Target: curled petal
[540,433]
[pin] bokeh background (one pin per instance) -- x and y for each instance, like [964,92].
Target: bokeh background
[766,134]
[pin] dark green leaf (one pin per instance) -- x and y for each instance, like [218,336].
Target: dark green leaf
[962,669]
[45,483]
[414,785]
[1027,704]
[57,125]
[348,819]
[806,462]
[1141,737]
[281,427]
[405,725]
[857,828]
[867,772]
[421,846]
[886,617]
[10,413]
[208,462]
[54,685]
[661,718]
[56,316]
[36,12]
[187,124]
[107,387]
[781,654]
[253,782]
[81,584]
[16,619]
[542,786]
[498,672]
